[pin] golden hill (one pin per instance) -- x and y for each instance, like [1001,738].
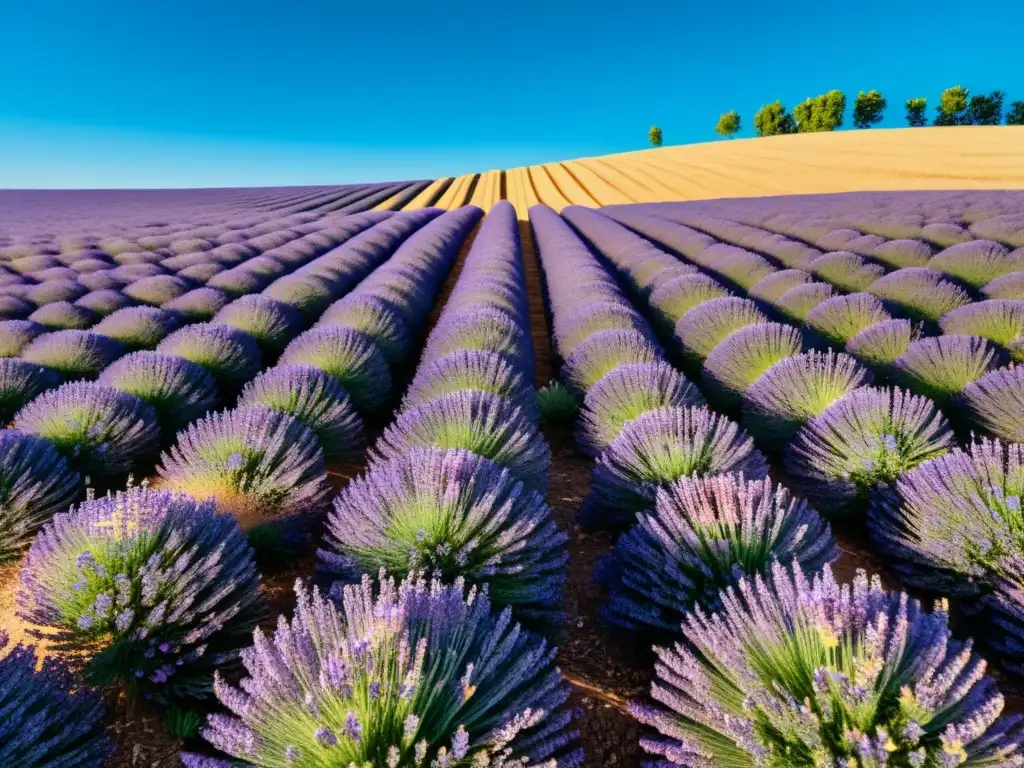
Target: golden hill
[845,161]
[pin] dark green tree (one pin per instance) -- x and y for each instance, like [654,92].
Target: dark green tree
[986,110]
[868,109]
[1016,114]
[953,107]
[916,108]
[774,120]
[728,124]
[821,113]
[654,136]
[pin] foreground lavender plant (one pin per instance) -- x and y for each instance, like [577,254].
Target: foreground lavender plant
[35,483]
[256,463]
[315,399]
[100,430]
[702,328]
[809,674]
[481,422]
[422,674]
[179,390]
[454,514]
[706,534]
[47,721]
[797,389]
[625,393]
[656,449]
[955,525]
[995,403]
[865,440]
[147,589]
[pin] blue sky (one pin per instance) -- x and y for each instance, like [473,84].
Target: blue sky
[128,93]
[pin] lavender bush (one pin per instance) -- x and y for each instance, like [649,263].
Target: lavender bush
[797,304]
[73,354]
[795,672]
[454,514]
[602,353]
[231,356]
[378,320]
[701,329]
[939,367]
[744,355]
[470,369]
[998,320]
[138,327]
[995,403]
[62,315]
[841,318]
[21,382]
[883,343]
[100,430]
[15,335]
[656,449]
[415,674]
[705,534]
[145,589]
[48,720]
[865,440]
[273,324]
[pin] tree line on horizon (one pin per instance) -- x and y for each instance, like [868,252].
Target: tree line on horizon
[826,113]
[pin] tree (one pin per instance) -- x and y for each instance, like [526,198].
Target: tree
[953,107]
[773,120]
[916,116]
[728,124]
[868,109]
[821,113]
[986,110]
[1016,114]
[654,135]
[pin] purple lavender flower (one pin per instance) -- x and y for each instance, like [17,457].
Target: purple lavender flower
[976,262]
[15,335]
[317,400]
[797,304]
[841,318]
[901,253]
[179,390]
[239,281]
[850,674]
[418,637]
[310,294]
[939,367]
[704,535]
[625,393]
[100,430]
[701,328]
[198,305]
[771,287]
[1008,286]
[998,320]
[104,301]
[55,290]
[483,328]
[881,344]
[73,354]
[603,352]
[375,318]
[48,721]
[349,356]
[454,514]
[138,327]
[656,449]
[846,271]
[21,382]
[282,473]
[185,584]
[231,356]
[484,423]
[744,355]
[15,307]
[63,315]
[919,293]
[797,389]
[576,327]
[995,403]
[35,483]
[158,289]
[273,324]
[675,298]
[470,369]
[865,440]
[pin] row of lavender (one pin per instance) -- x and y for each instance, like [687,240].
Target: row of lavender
[154,591]
[454,487]
[718,522]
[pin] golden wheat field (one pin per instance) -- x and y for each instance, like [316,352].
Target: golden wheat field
[978,157]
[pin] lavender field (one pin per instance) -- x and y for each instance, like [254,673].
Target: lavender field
[288,478]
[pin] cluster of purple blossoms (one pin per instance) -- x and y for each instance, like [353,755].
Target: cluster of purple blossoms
[744,356]
[20,383]
[704,327]
[454,514]
[771,287]
[73,354]
[919,293]
[656,449]
[880,345]
[231,356]
[47,721]
[703,535]
[146,589]
[800,672]
[16,335]
[256,463]
[100,430]
[797,304]
[839,319]
[273,324]
[955,525]
[138,327]
[409,674]
[939,367]
[977,262]
[1000,321]
[995,403]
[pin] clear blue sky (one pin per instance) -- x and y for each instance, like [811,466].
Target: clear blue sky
[110,93]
